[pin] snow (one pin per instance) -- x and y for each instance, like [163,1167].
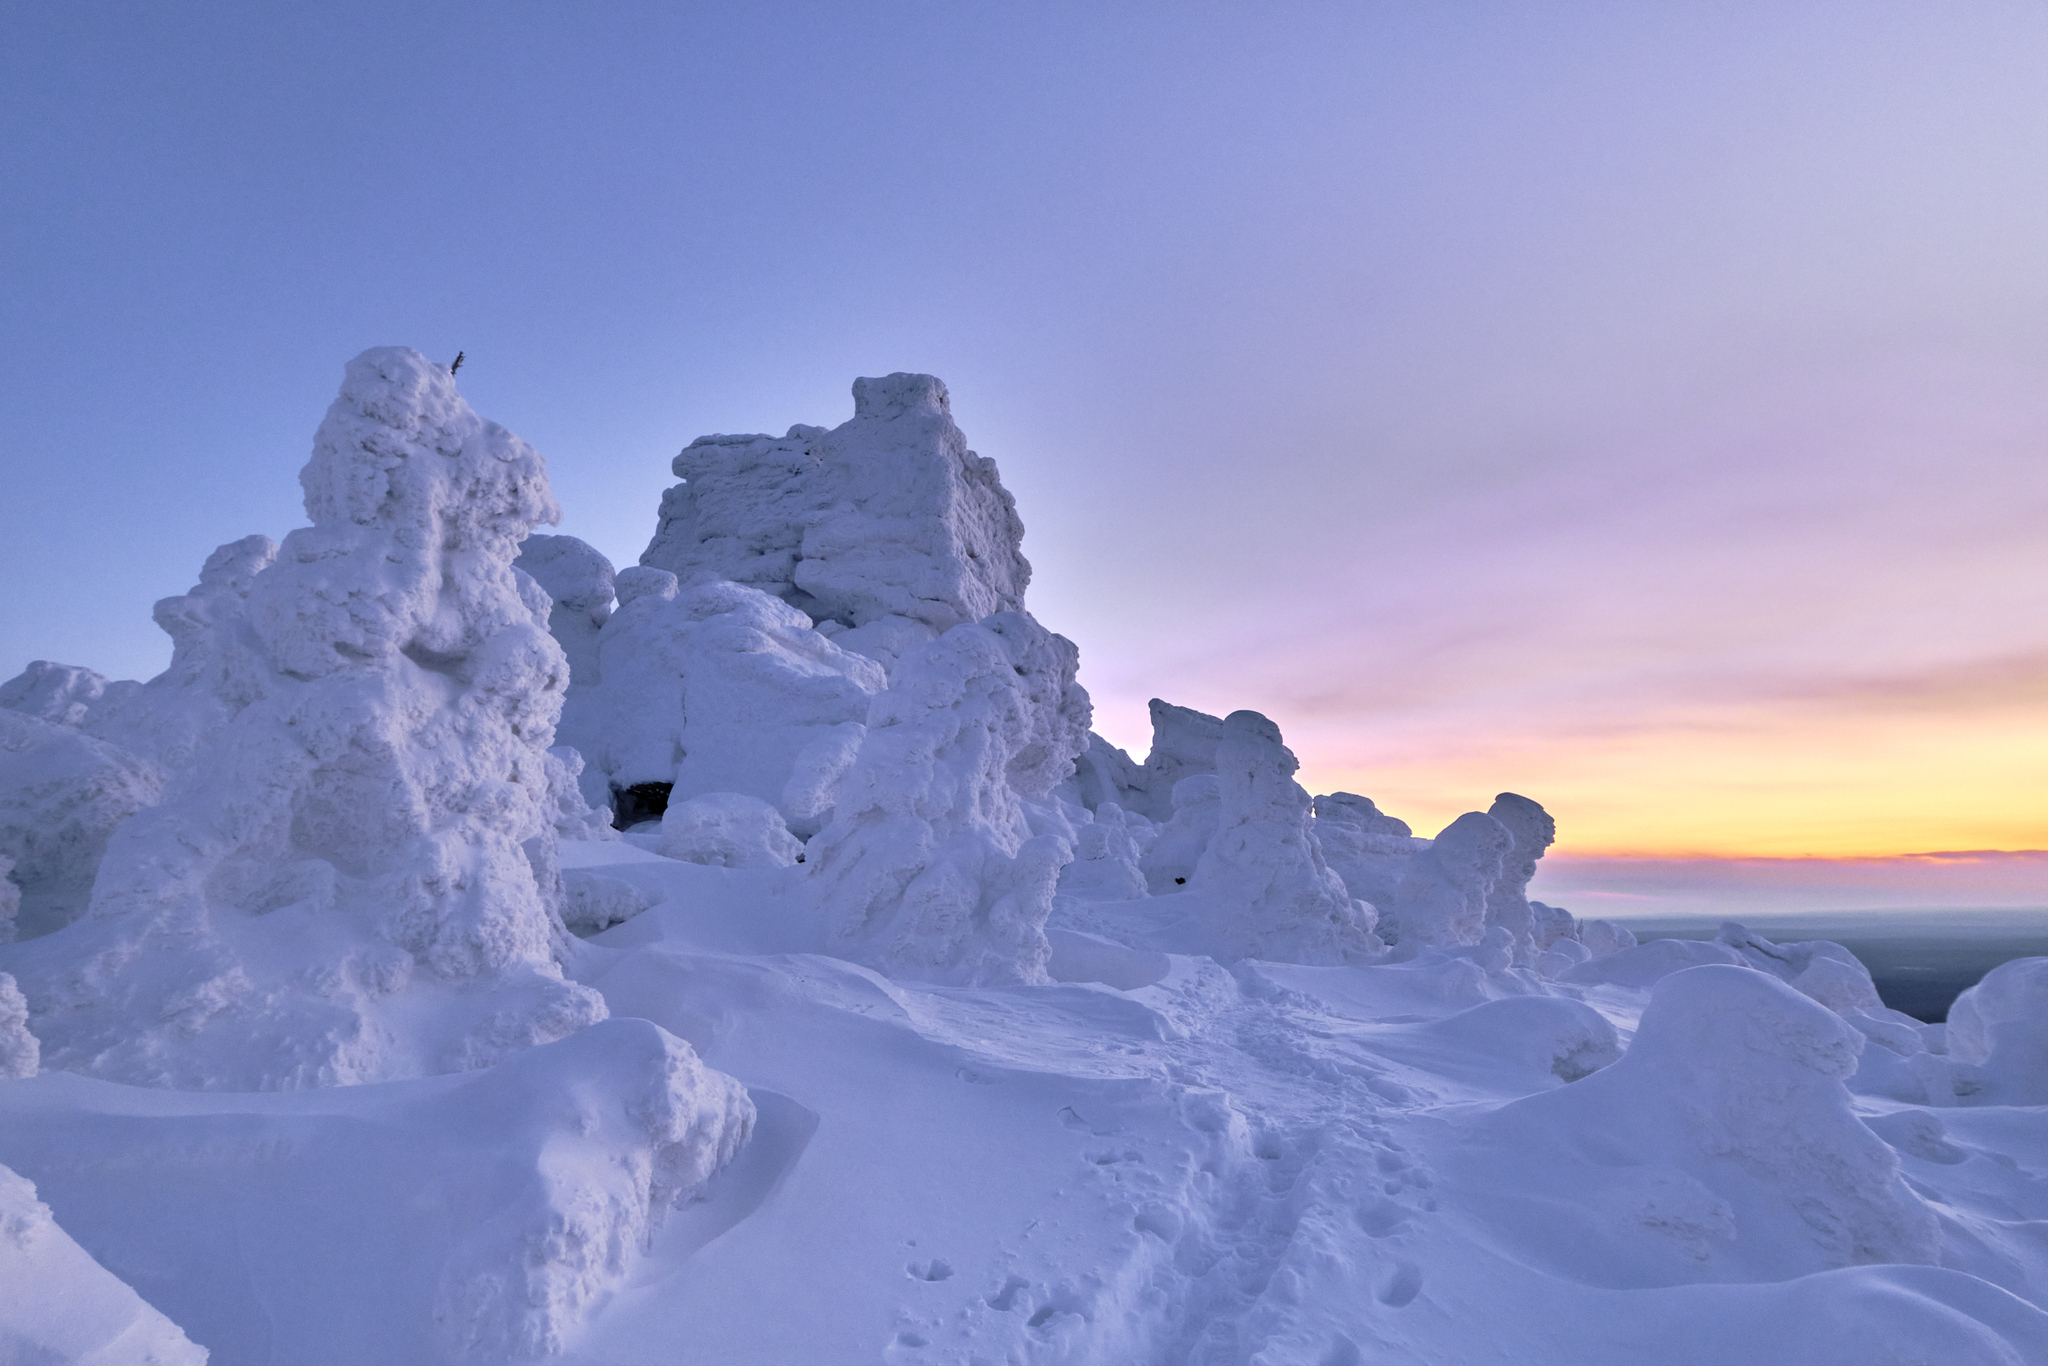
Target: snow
[911,1022]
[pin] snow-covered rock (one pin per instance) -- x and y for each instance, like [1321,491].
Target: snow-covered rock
[63,694]
[578,580]
[1265,890]
[888,515]
[1441,899]
[1364,846]
[718,687]
[2000,1026]
[1507,902]
[929,868]
[1183,744]
[727,830]
[63,794]
[20,1054]
[353,881]
[58,1307]
[1197,810]
[1106,858]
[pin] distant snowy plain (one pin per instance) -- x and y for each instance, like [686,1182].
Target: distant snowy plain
[908,1021]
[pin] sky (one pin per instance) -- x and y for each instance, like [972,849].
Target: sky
[1641,408]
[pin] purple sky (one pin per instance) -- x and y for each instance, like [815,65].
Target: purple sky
[1639,407]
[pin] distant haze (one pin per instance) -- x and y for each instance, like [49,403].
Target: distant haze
[1641,408]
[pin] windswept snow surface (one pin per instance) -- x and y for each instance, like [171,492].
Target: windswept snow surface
[911,1022]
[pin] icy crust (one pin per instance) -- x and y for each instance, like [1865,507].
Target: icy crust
[930,867]
[888,515]
[354,880]
[719,687]
[473,1218]
[58,1307]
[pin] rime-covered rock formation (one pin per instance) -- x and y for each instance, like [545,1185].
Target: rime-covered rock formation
[1265,890]
[1183,744]
[929,868]
[63,794]
[578,580]
[1507,901]
[1364,846]
[884,520]
[717,688]
[1442,896]
[353,881]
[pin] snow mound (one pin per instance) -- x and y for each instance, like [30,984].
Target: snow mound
[355,880]
[1265,890]
[63,794]
[1722,1146]
[718,687]
[61,1308]
[482,1217]
[888,515]
[929,868]
[727,830]
[2000,1025]
[1442,897]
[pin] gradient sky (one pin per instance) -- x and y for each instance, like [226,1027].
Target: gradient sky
[1639,407]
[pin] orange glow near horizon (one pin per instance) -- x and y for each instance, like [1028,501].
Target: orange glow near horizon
[1783,785]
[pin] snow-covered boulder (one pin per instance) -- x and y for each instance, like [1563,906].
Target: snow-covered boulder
[1723,1146]
[1604,937]
[20,1054]
[1442,896]
[1823,970]
[353,881]
[1551,924]
[718,687]
[1507,902]
[2000,1026]
[727,830]
[929,868]
[63,794]
[888,515]
[58,1307]
[578,580]
[1265,890]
